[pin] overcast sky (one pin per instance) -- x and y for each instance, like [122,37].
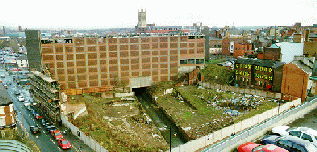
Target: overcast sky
[124,13]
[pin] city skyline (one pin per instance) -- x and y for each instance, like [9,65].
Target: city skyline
[124,14]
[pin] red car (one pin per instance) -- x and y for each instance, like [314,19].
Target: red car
[253,147]
[37,116]
[65,144]
[57,134]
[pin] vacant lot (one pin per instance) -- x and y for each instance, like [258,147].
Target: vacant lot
[119,125]
[200,111]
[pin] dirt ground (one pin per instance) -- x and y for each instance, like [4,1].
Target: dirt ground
[119,125]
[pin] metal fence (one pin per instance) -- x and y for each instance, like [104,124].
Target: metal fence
[261,128]
[81,135]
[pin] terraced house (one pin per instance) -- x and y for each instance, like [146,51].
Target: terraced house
[7,115]
[258,74]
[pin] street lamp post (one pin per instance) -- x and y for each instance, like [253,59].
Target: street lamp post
[170,138]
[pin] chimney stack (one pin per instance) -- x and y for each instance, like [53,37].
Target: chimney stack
[307,35]
[4,31]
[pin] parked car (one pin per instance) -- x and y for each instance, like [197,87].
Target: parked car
[43,121]
[51,128]
[27,103]
[5,86]
[38,116]
[16,93]
[35,129]
[3,76]
[304,133]
[47,125]
[29,107]
[57,134]
[291,143]
[65,144]
[21,98]
[253,147]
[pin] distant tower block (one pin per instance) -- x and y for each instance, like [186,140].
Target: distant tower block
[142,21]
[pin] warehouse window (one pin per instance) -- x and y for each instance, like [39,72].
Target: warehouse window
[183,61]
[191,61]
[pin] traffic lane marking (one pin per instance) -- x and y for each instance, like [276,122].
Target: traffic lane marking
[75,148]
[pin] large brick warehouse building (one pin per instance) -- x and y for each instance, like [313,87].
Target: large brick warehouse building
[97,64]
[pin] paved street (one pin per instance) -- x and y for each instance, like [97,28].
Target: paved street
[25,119]
[309,120]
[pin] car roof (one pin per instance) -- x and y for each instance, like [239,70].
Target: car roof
[295,139]
[248,146]
[63,139]
[305,130]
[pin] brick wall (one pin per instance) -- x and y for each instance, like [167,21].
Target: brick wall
[101,62]
[294,82]
[310,48]
[271,53]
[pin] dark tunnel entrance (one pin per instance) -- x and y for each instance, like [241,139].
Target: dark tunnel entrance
[139,91]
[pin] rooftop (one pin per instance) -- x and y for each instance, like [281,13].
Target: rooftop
[265,63]
[304,67]
[22,57]
[5,99]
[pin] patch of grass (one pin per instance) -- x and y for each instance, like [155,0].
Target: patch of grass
[262,108]
[115,135]
[200,113]
[187,115]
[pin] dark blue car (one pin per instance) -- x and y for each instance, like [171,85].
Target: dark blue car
[291,143]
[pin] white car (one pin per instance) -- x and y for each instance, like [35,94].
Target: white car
[301,132]
[26,103]
[20,98]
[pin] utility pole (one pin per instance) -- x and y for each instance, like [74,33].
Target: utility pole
[170,138]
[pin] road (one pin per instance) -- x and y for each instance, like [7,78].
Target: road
[309,120]
[25,119]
